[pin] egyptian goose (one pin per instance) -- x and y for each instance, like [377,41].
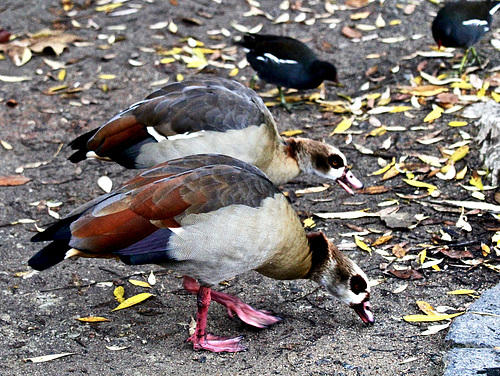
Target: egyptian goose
[286,62]
[209,217]
[210,115]
[463,24]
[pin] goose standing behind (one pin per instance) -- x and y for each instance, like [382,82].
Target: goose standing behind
[211,115]
[209,217]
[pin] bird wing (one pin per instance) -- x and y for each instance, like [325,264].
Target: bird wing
[160,198]
[177,109]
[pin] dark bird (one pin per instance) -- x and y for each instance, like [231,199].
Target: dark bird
[211,115]
[209,217]
[463,24]
[286,62]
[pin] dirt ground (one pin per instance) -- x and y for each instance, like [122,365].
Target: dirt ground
[318,336]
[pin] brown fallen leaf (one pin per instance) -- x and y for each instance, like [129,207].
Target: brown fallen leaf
[454,254]
[373,190]
[399,251]
[382,240]
[406,274]
[426,308]
[351,33]
[4,36]
[356,3]
[11,180]
[447,98]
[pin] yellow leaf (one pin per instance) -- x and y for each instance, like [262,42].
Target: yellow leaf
[292,132]
[133,301]
[422,255]
[384,169]
[426,308]
[461,174]
[53,89]
[420,184]
[362,244]
[382,240]
[434,114]
[173,51]
[234,72]
[392,172]
[378,131]
[460,153]
[436,267]
[167,60]
[139,283]
[424,318]
[344,125]
[476,182]
[104,88]
[93,319]
[394,22]
[461,292]
[486,250]
[462,85]
[107,76]
[400,109]
[495,96]
[179,77]
[108,7]
[457,123]
[61,75]
[119,292]
[309,223]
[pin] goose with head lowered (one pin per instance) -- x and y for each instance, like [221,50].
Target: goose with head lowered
[209,217]
[210,115]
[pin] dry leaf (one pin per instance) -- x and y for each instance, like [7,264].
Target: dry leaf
[14,78]
[139,283]
[399,251]
[406,274]
[426,308]
[47,358]
[362,244]
[382,240]
[461,292]
[11,180]
[420,184]
[133,301]
[119,293]
[373,190]
[344,125]
[92,319]
[434,114]
[351,33]
[425,318]
[292,132]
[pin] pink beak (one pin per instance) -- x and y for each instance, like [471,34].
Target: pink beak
[364,311]
[348,180]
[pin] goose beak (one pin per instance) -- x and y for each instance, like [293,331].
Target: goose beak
[364,311]
[348,180]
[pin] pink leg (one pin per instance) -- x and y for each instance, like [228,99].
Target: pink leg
[203,341]
[234,305]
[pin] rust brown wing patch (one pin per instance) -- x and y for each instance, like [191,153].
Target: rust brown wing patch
[119,133]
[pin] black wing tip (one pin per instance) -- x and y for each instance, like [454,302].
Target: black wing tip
[49,256]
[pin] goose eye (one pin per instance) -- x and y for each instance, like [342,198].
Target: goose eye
[335,161]
[358,284]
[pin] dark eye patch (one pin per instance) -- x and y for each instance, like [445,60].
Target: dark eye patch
[358,284]
[335,161]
